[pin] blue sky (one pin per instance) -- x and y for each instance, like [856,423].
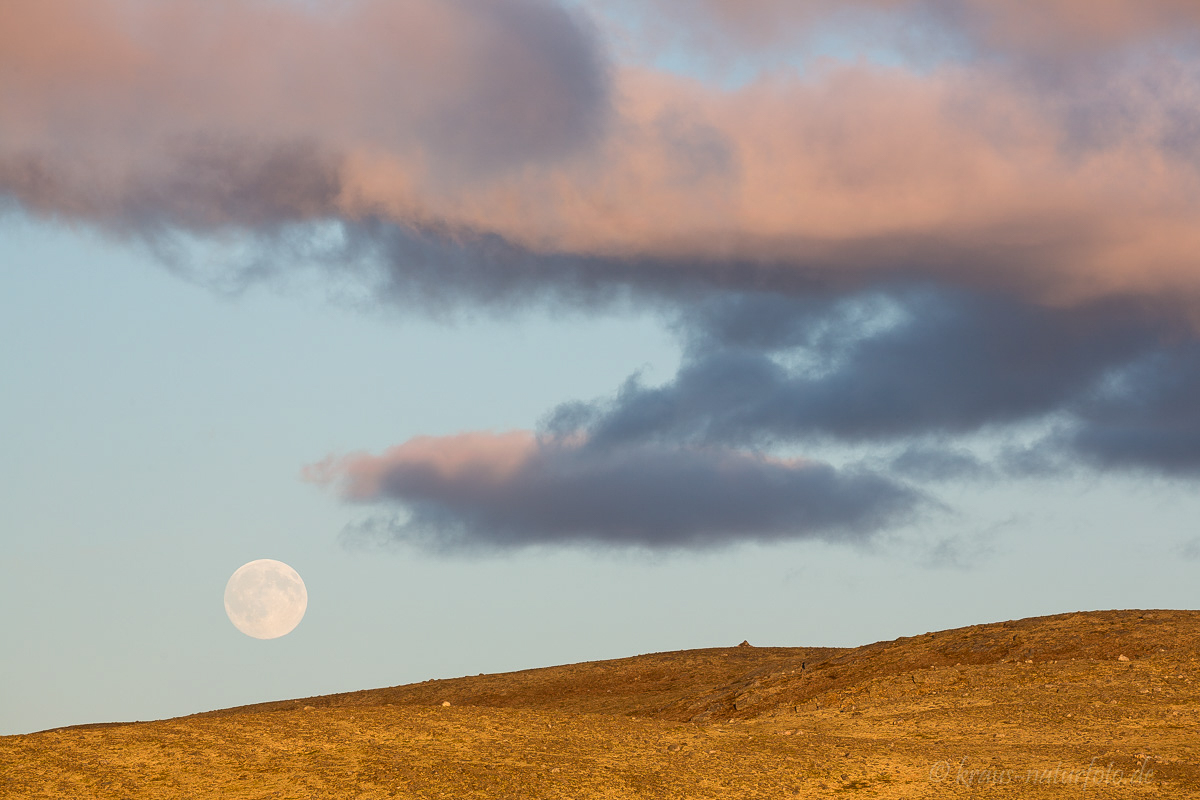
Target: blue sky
[619,343]
[154,431]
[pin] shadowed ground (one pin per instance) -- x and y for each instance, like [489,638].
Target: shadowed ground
[1043,707]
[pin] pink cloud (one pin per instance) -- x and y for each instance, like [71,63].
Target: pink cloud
[474,456]
[100,98]
[855,174]
[500,119]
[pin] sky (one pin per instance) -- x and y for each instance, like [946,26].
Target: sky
[531,333]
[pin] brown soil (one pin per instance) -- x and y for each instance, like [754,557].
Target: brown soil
[1035,708]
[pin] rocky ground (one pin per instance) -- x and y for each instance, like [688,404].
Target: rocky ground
[1101,704]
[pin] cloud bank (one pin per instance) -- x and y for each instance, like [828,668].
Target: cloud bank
[470,121]
[976,217]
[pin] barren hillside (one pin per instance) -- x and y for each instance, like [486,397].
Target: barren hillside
[1102,702]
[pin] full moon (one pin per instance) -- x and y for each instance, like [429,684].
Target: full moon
[265,599]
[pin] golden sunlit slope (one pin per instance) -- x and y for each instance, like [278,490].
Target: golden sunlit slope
[1103,702]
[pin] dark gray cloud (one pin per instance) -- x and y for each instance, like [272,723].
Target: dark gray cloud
[877,367]
[1146,415]
[1117,381]
[659,497]
[939,463]
[442,268]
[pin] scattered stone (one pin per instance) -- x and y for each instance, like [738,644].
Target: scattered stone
[309,708]
[445,704]
[1122,657]
[673,748]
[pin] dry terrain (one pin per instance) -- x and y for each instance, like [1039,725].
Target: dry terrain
[1099,704]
